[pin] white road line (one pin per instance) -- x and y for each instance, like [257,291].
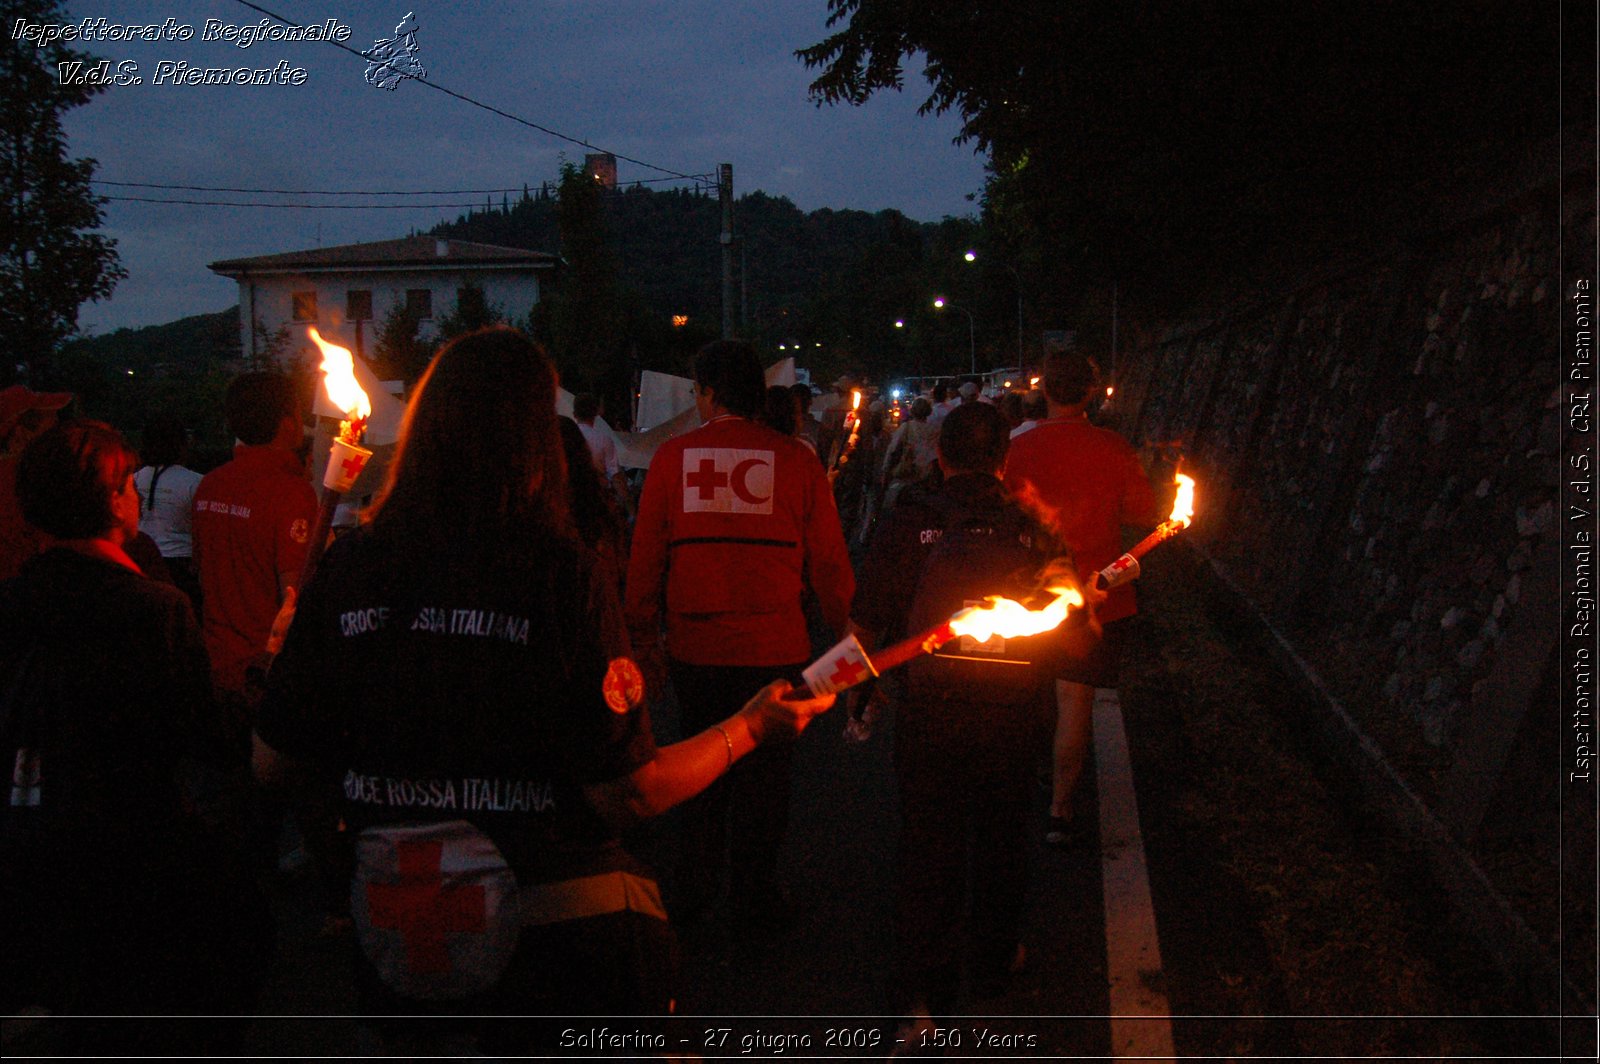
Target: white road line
[1140,1016]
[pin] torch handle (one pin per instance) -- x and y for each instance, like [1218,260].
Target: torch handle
[319,535]
[903,651]
[1126,568]
[891,658]
[1163,532]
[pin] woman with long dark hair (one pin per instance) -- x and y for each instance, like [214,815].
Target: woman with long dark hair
[460,665]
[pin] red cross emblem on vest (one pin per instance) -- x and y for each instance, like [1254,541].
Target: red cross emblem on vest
[705,480]
[728,480]
[423,909]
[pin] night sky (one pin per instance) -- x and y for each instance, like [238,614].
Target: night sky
[682,84]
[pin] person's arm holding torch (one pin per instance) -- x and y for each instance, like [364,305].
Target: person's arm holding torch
[1126,568]
[684,769]
[346,458]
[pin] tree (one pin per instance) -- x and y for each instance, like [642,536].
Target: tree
[585,313]
[472,311]
[269,350]
[51,261]
[401,353]
[1160,145]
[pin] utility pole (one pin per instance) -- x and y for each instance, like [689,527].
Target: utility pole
[725,194]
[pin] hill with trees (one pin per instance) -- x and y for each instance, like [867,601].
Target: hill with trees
[181,367]
[829,284]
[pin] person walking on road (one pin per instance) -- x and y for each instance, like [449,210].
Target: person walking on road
[735,522]
[973,717]
[1088,484]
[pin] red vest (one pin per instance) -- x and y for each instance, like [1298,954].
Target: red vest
[252,527]
[734,520]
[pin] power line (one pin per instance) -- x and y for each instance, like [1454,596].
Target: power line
[697,178]
[297,206]
[478,103]
[552,195]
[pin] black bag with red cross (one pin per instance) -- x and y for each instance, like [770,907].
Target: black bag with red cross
[435,908]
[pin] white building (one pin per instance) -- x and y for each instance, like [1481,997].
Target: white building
[348,291]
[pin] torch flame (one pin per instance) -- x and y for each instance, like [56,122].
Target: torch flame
[339,377]
[855,400]
[1005,617]
[1183,505]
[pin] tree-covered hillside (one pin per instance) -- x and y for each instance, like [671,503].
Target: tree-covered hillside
[181,367]
[831,282]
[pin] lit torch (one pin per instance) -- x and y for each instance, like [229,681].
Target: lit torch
[1126,568]
[848,663]
[853,420]
[347,457]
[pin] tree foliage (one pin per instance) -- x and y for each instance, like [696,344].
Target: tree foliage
[180,368]
[472,311]
[1159,144]
[51,261]
[586,311]
[401,353]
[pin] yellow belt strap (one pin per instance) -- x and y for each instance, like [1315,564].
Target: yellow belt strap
[574,899]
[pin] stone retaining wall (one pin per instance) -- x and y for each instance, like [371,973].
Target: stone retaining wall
[1377,455]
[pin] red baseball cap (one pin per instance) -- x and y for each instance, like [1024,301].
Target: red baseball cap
[19,399]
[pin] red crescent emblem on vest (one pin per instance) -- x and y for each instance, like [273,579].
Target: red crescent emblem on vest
[737,481]
[624,685]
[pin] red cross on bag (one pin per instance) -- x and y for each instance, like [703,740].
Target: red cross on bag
[434,907]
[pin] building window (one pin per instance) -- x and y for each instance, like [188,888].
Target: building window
[419,302]
[305,306]
[358,305]
[470,303]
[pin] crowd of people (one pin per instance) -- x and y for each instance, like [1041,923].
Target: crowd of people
[455,711]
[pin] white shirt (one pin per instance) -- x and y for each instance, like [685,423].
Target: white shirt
[168,518]
[602,449]
[1024,427]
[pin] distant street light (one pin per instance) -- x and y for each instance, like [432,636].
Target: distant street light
[972,256]
[939,303]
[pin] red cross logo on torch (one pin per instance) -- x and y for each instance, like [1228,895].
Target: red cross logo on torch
[845,665]
[847,673]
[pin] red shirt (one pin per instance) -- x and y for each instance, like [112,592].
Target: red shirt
[733,521]
[252,526]
[1090,484]
[16,539]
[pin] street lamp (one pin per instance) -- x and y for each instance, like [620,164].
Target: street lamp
[972,256]
[940,303]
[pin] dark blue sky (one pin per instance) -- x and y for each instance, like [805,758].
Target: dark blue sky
[684,84]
